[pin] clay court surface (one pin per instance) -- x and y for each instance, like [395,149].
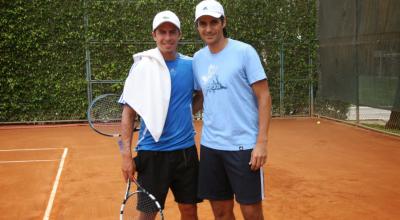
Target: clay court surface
[315,171]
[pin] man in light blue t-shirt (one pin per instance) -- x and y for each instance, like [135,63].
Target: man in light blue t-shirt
[171,162]
[236,117]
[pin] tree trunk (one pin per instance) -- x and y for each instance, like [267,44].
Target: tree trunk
[394,120]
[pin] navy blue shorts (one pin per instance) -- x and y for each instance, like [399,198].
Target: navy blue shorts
[225,174]
[159,171]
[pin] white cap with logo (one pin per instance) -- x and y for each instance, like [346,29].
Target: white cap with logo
[166,16]
[209,7]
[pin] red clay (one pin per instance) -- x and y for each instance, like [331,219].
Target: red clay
[315,171]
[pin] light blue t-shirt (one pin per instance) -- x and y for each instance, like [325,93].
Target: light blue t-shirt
[178,132]
[230,111]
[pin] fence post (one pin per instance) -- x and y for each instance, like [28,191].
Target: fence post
[281,82]
[311,89]
[87,55]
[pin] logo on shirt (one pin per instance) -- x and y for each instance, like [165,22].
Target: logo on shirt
[212,70]
[212,81]
[214,85]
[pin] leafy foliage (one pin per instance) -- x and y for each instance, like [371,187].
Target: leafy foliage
[45,48]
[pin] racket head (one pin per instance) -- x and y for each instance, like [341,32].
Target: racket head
[104,115]
[140,204]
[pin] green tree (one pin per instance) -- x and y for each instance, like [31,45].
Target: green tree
[45,46]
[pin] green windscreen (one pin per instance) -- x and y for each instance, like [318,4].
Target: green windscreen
[359,52]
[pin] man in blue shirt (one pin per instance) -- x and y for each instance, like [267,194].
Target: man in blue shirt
[236,117]
[170,162]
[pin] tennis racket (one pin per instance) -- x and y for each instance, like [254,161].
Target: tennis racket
[104,116]
[140,204]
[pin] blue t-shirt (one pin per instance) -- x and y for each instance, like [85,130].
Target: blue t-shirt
[178,132]
[230,111]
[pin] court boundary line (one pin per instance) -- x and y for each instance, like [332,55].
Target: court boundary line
[55,186]
[31,149]
[24,161]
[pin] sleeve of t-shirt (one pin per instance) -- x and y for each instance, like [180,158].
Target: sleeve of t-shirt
[253,67]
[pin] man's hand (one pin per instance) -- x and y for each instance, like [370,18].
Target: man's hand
[258,155]
[128,167]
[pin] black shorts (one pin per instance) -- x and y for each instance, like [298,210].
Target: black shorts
[159,171]
[225,174]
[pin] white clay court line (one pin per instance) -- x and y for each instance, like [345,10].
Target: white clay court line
[31,149]
[28,149]
[55,185]
[24,161]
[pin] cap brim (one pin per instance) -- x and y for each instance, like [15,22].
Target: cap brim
[166,21]
[209,13]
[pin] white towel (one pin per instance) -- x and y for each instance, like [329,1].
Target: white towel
[148,89]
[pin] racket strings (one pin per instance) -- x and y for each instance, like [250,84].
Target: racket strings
[141,205]
[105,114]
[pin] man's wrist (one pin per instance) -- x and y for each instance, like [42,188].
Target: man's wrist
[126,154]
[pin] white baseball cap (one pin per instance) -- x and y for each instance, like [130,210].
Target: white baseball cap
[209,7]
[166,16]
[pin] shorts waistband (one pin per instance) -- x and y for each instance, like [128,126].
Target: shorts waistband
[172,151]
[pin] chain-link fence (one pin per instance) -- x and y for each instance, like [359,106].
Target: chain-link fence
[359,62]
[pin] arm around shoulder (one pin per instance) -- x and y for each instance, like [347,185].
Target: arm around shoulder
[197,104]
